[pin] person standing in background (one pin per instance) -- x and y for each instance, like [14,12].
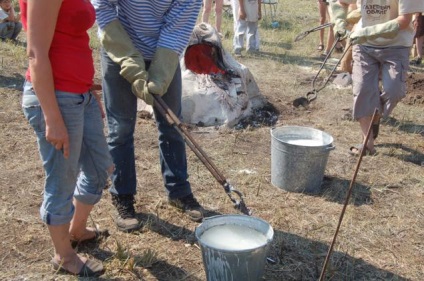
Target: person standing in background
[141,44]
[10,25]
[418,22]
[323,14]
[207,7]
[66,117]
[246,25]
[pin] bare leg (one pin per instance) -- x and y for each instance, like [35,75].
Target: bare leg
[364,123]
[78,228]
[64,254]
[322,19]
[419,46]
[207,6]
[218,14]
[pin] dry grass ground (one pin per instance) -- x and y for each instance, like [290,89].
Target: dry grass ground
[381,237]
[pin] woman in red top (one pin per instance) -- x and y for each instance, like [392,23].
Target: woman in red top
[67,119]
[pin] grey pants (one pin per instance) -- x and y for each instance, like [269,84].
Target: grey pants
[370,65]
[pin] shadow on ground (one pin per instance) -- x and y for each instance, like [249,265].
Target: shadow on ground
[299,258]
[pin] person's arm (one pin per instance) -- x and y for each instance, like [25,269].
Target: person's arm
[259,9]
[338,17]
[12,16]
[174,36]
[242,12]
[388,29]
[42,18]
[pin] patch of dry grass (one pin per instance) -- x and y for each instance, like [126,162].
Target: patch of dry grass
[381,237]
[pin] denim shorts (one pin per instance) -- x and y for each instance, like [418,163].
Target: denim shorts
[84,174]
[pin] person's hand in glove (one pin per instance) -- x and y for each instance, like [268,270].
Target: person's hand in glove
[339,14]
[120,49]
[387,30]
[162,70]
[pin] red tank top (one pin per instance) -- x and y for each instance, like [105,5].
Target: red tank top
[70,54]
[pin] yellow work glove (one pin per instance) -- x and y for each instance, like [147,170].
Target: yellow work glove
[338,17]
[387,30]
[162,70]
[119,47]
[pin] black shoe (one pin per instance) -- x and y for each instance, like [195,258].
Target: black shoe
[416,61]
[189,206]
[126,220]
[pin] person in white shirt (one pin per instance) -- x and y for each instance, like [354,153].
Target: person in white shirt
[382,42]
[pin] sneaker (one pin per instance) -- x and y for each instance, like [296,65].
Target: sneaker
[125,220]
[189,206]
[237,53]
[416,61]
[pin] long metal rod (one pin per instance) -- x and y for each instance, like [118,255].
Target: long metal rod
[305,33]
[174,121]
[363,150]
[334,67]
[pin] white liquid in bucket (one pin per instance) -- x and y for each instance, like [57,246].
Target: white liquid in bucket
[305,142]
[233,237]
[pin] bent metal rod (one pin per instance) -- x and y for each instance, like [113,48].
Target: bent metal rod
[174,121]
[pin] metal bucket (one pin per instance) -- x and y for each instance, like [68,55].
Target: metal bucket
[234,247]
[299,156]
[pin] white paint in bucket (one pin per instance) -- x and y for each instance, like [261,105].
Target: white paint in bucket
[299,157]
[233,237]
[305,142]
[225,258]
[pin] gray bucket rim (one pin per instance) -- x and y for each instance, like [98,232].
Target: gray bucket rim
[330,137]
[269,234]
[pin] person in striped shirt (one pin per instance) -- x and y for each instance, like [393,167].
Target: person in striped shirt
[141,44]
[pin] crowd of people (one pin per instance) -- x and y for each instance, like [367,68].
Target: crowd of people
[141,46]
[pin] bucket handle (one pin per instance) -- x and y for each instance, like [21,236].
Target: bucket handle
[329,148]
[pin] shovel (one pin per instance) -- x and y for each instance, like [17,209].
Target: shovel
[174,121]
[305,33]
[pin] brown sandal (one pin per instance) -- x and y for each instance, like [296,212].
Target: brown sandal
[91,268]
[356,150]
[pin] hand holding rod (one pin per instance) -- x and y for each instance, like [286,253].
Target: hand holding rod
[174,121]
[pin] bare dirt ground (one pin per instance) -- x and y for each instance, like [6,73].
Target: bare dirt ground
[381,237]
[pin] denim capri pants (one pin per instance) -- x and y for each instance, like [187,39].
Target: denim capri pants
[84,174]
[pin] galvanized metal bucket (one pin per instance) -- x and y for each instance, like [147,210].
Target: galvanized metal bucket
[299,156]
[225,264]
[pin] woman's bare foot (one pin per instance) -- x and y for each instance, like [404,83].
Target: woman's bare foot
[71,264]
[85,234]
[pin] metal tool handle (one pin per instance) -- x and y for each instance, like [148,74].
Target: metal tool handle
[313,94]
[305,33]
[174,121]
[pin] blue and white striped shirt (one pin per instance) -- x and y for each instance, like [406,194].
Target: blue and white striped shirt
[151,23]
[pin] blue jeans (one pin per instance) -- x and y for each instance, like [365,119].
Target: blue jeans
[84,174]
[10,30]
[121,111]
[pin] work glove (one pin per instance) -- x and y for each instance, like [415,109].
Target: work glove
[119,47]
[162,70]
[353,16]
[386,30]
[338,16]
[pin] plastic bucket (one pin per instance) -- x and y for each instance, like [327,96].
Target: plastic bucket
[234,247]
[299,156]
